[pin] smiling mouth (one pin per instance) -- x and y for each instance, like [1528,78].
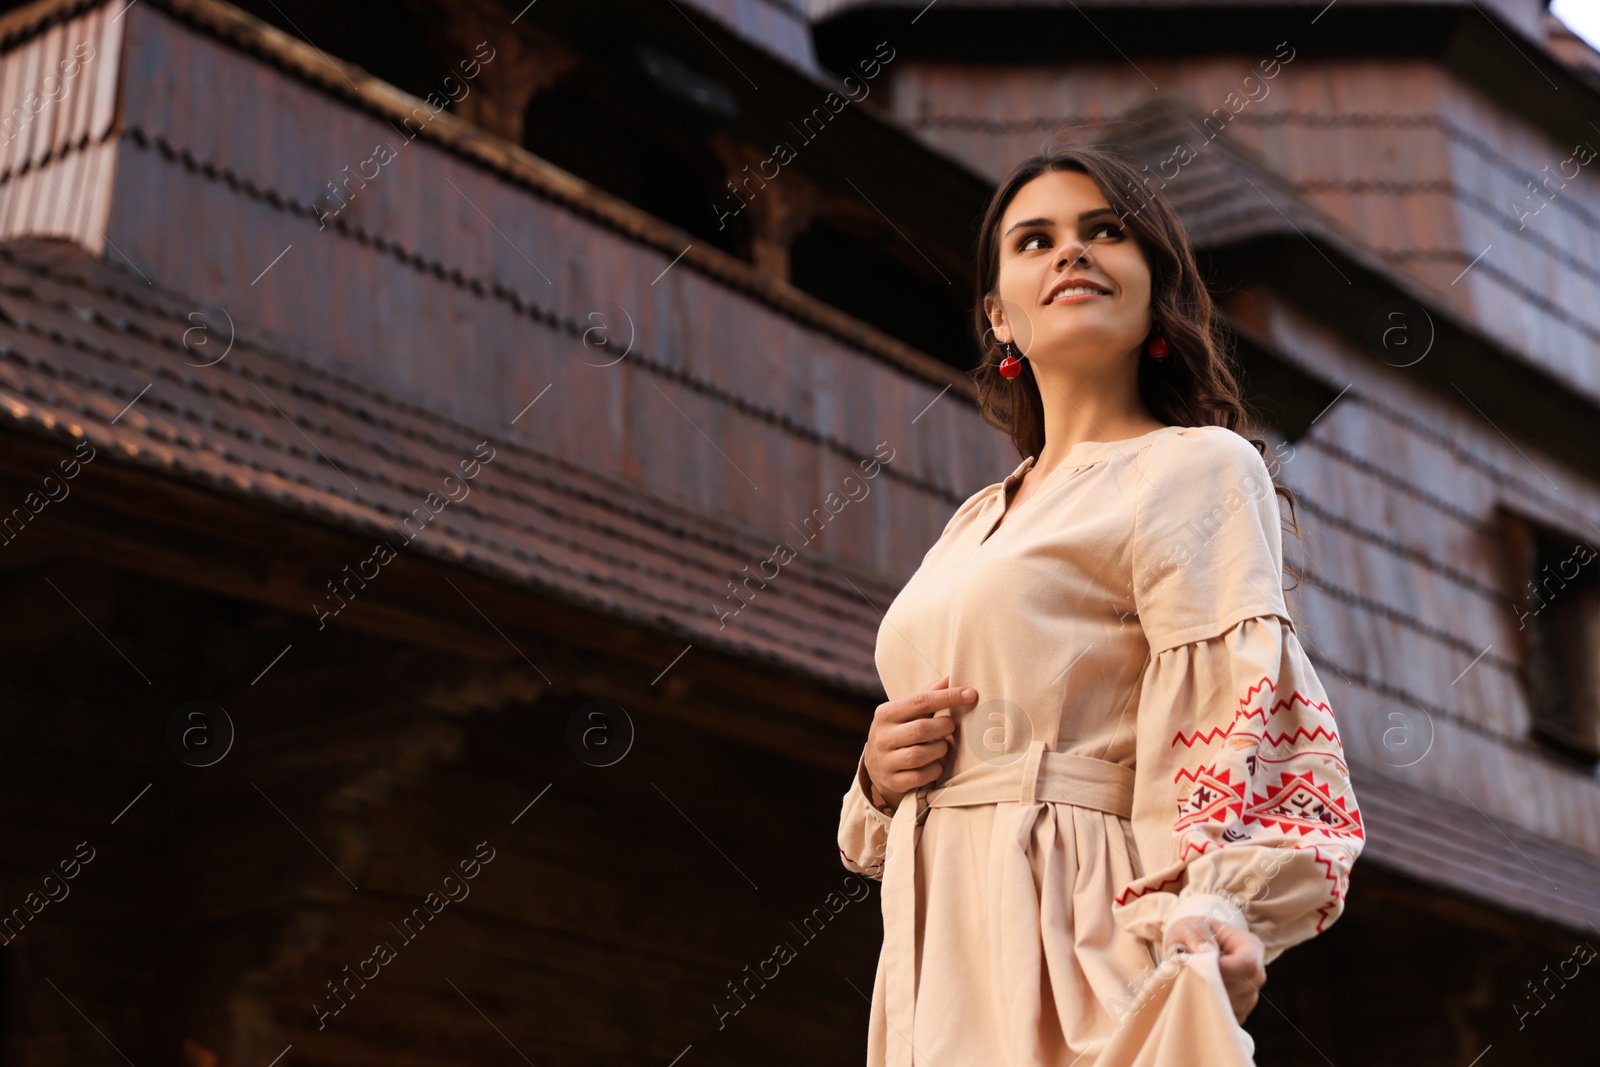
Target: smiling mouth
[1076,292]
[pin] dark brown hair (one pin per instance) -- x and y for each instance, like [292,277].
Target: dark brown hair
[1195,385]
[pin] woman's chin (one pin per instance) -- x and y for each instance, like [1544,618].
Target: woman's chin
[1103,348]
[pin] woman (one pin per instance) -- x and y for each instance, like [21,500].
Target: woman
[1103,743]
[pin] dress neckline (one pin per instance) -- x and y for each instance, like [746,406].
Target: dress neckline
[1084,452]
[1089,451]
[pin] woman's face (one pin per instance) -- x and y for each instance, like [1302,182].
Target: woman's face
[1059,237]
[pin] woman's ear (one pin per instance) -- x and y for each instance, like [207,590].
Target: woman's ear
[997,320]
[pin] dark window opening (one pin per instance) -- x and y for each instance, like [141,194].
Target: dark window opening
[856,278]
[1557,603]
[573,126]
[387,40]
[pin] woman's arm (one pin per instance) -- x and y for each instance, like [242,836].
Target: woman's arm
[905,749]
[1243,811]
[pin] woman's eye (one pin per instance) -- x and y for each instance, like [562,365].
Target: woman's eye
[1027,244]
[1107,227]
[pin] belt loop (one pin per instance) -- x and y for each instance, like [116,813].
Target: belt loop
[1030,773]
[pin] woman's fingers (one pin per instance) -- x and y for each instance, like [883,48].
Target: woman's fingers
[1242,967]
[905,781]
[922,703]
[905,769]
[912,757]
[916,744]
[919,731]
[1239,960]
[1243,951]
[910,736]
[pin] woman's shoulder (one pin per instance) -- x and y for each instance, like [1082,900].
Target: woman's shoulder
[1214,450]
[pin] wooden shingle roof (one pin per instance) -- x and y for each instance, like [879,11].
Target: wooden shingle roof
[90,350]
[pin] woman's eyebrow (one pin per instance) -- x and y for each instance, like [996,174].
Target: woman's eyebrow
[1030,222]
[1084,217]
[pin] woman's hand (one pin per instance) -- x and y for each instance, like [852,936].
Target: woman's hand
[909,738]
[1243,972]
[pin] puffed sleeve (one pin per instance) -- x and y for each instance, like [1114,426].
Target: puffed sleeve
[863,829]
[1242,808]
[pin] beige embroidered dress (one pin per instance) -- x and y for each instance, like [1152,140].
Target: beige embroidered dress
[1149,741]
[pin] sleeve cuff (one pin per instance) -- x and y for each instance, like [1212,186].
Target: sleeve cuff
[1206,905]
[863,788]
[1147,908]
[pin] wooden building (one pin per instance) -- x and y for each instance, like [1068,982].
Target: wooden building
[509,421]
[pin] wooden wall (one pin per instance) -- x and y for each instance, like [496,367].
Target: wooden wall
[470,277]
[59,91]
[470,294]
[1408,603]
[1424,169]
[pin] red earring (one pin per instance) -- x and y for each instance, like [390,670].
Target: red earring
[1159,348]
[1011,366]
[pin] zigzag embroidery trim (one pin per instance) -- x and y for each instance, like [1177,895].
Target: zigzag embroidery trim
[1218,732]
[1335,894]
[859,866]
[1309,735]
[1128,894]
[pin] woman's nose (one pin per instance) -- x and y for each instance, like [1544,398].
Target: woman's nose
[1071,253]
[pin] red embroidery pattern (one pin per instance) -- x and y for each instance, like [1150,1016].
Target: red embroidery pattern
[1206,737]
[1214,812]
[1245,712]
[1129,894]
[1309,735]
[1332,873]
[1335,869]
[859,866]
[1214,797]
[1212,809]
[1298,802]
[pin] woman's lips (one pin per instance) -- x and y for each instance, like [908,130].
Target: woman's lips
[1077,296]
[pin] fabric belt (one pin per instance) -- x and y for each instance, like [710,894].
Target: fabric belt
[1038,777]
